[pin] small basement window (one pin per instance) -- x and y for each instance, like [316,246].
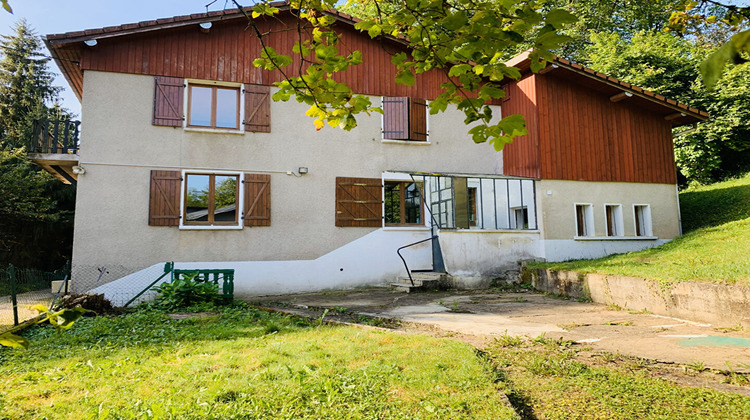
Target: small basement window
[642,215]
[211,200]
[584,220]
[613,213]
[402,204]
[214,107]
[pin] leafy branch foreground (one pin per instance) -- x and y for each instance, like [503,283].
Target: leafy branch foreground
[240,362]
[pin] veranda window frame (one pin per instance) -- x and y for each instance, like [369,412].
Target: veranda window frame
[402,203]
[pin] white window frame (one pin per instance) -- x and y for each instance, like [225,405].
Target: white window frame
[213,83]
[617,220]
[588,219]
[411,142]
[240,201]
[398,177]
[647,224]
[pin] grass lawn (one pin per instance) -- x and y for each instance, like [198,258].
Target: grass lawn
[714,249]
[242,363]
[548,383]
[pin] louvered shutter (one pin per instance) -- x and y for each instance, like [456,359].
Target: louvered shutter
[417,119]
[359,202]
[168,99]
[257,202]
[164,198]
[396,118]
[257,108]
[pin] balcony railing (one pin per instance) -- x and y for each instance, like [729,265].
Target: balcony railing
[55,136]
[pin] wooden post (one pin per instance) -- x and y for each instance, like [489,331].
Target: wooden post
[13,297]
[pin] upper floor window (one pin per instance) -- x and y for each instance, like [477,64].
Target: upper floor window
[405,118]
[203,104]
[214,107]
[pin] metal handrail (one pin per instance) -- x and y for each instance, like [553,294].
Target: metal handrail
[398,251]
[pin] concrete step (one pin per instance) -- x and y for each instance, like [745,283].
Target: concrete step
[422,281]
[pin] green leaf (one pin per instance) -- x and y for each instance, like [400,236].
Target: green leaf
[6,6]
[713,66]
[12,340]
[560,17]
[459,69]
[405,77]
[455,21]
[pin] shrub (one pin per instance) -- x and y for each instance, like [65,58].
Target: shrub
[185,291]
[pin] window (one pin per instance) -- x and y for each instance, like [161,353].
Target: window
[584,220]
[402,204]
[211,199]
[613,214]
[211,105]
[472,206]
[214,107]
[520,218]
[405,119]
[642,215]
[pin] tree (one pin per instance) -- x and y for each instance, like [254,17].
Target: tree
[36,209]
[467,40]
[25,86]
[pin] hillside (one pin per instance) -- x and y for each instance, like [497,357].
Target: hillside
[714,248]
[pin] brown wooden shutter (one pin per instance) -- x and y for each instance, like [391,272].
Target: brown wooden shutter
[396,118]
[257,108]
[164,198]
[417,119]
[257,208]
[359,202]
[168,98]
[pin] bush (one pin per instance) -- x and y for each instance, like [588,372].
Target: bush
[185,291]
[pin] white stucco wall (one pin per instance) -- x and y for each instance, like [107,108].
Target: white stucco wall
[120,146]
[558,217]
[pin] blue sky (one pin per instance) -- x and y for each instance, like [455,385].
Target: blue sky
[58,16]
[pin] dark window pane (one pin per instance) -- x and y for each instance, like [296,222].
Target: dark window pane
[226,108]
[412,204]
[200,106]
[196,201]
[392,202]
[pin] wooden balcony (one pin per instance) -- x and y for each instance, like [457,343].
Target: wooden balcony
[54,147]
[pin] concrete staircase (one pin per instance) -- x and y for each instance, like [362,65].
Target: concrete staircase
[423,281]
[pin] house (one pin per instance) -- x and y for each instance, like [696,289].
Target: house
[183,157]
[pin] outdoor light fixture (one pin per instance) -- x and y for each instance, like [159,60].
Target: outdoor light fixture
[302,170]
[78,170]
[90,42]
[205,26]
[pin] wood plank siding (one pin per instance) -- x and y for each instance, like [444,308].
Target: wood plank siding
[227,51]
[521,158]
[583,136]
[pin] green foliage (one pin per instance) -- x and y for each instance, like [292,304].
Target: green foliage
[705,206]
[239,362]
[6,6]
[553,383]
[185,291]
[468,41]
[669,66]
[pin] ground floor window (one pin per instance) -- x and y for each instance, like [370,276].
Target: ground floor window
[642,214]
[584,220]
[211,199]
[402,203]
[613,213]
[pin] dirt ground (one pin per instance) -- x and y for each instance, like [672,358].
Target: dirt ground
[691,353]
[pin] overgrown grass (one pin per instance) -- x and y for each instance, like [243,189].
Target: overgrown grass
[241,363]
[548,383]
[715,250]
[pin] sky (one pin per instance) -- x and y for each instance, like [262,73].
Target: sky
[59,16]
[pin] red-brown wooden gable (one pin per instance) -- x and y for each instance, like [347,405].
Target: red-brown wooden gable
[227,51]
[521,158]
[584,136]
